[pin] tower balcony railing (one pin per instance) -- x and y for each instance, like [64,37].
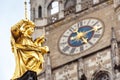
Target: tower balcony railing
[85,5]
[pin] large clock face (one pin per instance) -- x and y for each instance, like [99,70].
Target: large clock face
[81,36]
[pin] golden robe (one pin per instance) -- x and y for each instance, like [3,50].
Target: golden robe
[27,58]
[28,55]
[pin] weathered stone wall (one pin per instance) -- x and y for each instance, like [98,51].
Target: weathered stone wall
[99,61]
[106,15]
[90,62]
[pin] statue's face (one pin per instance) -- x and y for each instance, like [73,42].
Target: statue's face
[30,30]
[43,40]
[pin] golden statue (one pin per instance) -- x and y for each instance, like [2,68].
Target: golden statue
[28,53]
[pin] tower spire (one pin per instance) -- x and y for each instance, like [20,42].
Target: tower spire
[25,6]
[114,50]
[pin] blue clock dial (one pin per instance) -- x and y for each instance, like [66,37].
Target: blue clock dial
[81,36]
[78,42]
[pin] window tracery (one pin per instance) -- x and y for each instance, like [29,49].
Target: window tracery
[53,10]
[69,7]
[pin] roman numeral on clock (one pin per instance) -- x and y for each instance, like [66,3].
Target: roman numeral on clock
[95,23]
[63,43]
[81,48]
[90,43]
[72,50]
[88,22]
[79,24]
[65,36]
[66,48]
[96,35]
[72,29]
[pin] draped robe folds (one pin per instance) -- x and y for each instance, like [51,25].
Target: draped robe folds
[27,59]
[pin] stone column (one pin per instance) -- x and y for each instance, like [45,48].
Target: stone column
[81,71]
[48,69]
[61,9]
[115,57]
[78,5]
[116,3]
[115,49]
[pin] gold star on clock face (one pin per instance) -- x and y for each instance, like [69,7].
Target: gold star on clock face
[81,36]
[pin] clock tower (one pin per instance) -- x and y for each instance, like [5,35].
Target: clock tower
[83,37]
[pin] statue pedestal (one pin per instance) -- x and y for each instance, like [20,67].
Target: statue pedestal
[29,75]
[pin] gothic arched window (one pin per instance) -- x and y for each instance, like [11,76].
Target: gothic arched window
[39,12]
[54,7]
[70,7]
[69,3]
[83,77]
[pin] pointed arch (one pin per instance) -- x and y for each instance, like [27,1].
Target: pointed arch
[53,7]
[100,75]
[53,11]
[83,77]
[69,7]
[69,3]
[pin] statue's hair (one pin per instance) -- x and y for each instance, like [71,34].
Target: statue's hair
[26,25]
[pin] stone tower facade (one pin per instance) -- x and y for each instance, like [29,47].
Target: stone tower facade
[83,37]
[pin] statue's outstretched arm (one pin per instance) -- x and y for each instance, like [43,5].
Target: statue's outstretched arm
[27,47]
[44,49]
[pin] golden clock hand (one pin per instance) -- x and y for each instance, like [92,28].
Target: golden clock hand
[75,31]
[78,36]
[84,40]
[94,29]
[82,34]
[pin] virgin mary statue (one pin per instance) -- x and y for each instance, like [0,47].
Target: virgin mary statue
[28,52]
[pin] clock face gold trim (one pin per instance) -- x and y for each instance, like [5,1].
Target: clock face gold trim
[81,36]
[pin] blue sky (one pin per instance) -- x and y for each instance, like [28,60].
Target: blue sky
[11,11]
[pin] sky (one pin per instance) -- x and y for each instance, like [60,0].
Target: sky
[11,11]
